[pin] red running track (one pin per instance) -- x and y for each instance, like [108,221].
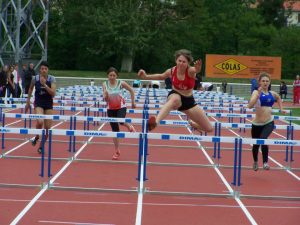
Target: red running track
[183,187]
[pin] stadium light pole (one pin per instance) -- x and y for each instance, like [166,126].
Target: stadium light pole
[22,25]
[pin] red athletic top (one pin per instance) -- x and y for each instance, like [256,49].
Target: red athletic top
[297,85]
[186,84]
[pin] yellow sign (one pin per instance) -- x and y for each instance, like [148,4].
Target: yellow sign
[236,66]
[231,66]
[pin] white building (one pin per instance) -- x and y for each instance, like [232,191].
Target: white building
[294,18]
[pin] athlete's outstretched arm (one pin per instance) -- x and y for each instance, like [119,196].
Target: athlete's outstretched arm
[158,76]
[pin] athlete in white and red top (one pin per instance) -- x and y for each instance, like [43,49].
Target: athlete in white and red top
[116,106]
[181,96]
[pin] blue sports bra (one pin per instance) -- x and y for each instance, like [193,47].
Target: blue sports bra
[266,99]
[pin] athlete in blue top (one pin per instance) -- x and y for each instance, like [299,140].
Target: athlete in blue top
[262,125]
[45,88]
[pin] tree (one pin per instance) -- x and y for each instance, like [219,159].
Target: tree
[65,36]
[122,28]
[273,12]
[145,34]
[286,43]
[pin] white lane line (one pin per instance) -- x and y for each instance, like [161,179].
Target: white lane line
[34,200]
[15,148]
[75,223]
[238,200]
[288,171]
[278,134]
[17,121]
[28,206]
[241,204]
[139,209]
[24,143]
[275,161]
[138,217]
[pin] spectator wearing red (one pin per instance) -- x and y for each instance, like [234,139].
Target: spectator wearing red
[296,90]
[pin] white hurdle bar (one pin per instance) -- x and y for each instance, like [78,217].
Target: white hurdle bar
[136,120]
[140,111]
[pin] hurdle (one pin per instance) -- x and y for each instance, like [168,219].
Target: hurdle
[238,152]
[238,149]
[217,155]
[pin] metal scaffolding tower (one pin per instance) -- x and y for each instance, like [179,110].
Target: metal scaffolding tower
[23,31]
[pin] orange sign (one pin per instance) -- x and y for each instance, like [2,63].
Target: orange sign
[234,66]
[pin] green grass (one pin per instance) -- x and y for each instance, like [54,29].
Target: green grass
[133,75]
[295,112]
[89,74]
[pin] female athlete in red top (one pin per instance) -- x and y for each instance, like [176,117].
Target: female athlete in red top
[181,96]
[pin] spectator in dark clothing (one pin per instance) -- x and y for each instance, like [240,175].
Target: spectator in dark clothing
[224,86]
[10,84]
[16,79]
[168,83]
[198,82]
[3,82]
[283,90]
[23,73]
[254,84]
[28,77]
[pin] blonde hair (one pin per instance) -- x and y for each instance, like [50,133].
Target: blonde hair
[186,53]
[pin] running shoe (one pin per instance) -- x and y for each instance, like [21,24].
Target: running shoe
[39,150]
[152,123]
[255,166]
[266,166]
[131,129]
[34,141]
[116,156]
[194,127]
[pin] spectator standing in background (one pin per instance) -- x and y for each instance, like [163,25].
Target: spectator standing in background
[16,81]
[10,82]
[198,80]
[254,85]
[28,77]
[168,83]
[282,90]
[224,86]
[23,73]
[296,90]
[3,81]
